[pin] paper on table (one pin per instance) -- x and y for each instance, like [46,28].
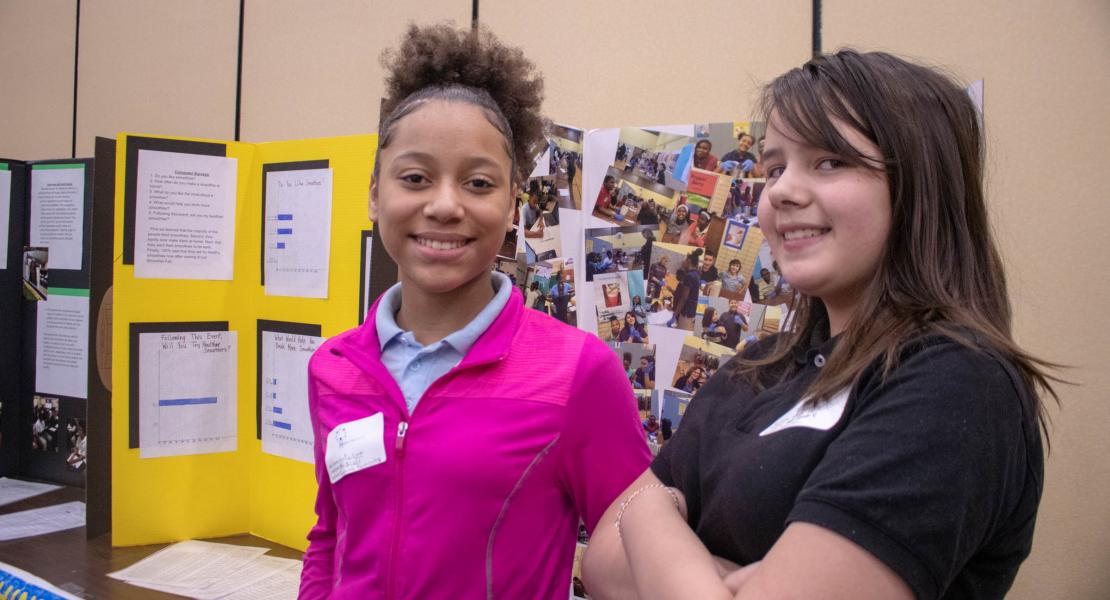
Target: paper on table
[39,521]
[286,427]
[187,397]
[283,583]
[62,344]
[184,216]
[249,577]
[5,212]
[58,212]
[298,232]
[14,490]
[184,564]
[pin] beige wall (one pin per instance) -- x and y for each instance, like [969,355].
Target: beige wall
[1046,72]
[310,69]
[653,62]
[164,68]
[36,78]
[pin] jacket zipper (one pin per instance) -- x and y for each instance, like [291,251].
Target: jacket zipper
[398,457]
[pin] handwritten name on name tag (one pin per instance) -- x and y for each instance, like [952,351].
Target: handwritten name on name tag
[354,446]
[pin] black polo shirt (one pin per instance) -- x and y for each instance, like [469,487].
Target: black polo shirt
[936,471]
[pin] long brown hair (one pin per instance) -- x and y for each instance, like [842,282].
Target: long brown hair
[940,272]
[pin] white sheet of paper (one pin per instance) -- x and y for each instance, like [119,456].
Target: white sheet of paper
[254,575]
[184,216]
[5,214]
[282,583]
[14,490]
[62,345]
[39,521]
[58,212]
[187,393]
[286,426]
[185,564]
[298,232]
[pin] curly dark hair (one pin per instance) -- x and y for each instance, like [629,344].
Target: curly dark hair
[472,66]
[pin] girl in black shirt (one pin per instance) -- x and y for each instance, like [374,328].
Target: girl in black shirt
[889,444]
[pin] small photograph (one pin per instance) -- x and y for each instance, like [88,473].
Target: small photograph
[723,321]
[76,444]
[35,272]
[697,362]
[549,287]
[539,219]
[735,234]
[763,321]
[767,285]
[744,160]
[708,190]
[614,249]
[738,256]
[675,280]
[672,407]
[565,144]
[621,312]
[627,200]
[507,266]
[639,363]
[45,423]
[742,200]
[692,225]
[650,157]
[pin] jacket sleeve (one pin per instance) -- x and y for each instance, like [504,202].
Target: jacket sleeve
[317,574]
[603,448]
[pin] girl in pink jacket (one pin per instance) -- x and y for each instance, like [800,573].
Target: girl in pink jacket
[460,436]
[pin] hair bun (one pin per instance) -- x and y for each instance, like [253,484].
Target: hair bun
[442,56]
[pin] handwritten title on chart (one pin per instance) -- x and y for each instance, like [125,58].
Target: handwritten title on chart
[296,183]
[207,342]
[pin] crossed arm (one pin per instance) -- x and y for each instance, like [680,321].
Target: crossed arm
[658,556]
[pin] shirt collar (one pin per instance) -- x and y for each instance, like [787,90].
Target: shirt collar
[386,316]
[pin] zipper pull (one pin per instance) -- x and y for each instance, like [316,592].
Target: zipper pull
[402,428]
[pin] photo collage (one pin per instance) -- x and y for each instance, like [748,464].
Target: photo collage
[552,194]
[674,256]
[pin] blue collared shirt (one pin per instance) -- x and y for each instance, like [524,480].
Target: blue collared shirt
[414,366]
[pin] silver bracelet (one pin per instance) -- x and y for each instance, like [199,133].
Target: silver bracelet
[627,501]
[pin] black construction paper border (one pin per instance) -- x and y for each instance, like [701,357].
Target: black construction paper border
[268,168]
[131,177]
[133,362]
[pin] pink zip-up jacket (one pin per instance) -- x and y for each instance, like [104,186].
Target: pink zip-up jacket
[484,483]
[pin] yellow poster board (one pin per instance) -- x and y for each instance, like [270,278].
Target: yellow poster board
[242,491]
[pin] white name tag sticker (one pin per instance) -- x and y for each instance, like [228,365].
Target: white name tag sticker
[355,446]
[822,417]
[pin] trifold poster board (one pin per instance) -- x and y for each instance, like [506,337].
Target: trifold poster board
[235,260]
[45,232]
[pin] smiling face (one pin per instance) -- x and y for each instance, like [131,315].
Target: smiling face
[744,143]
[442,200]
[702,149]
[827,222]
